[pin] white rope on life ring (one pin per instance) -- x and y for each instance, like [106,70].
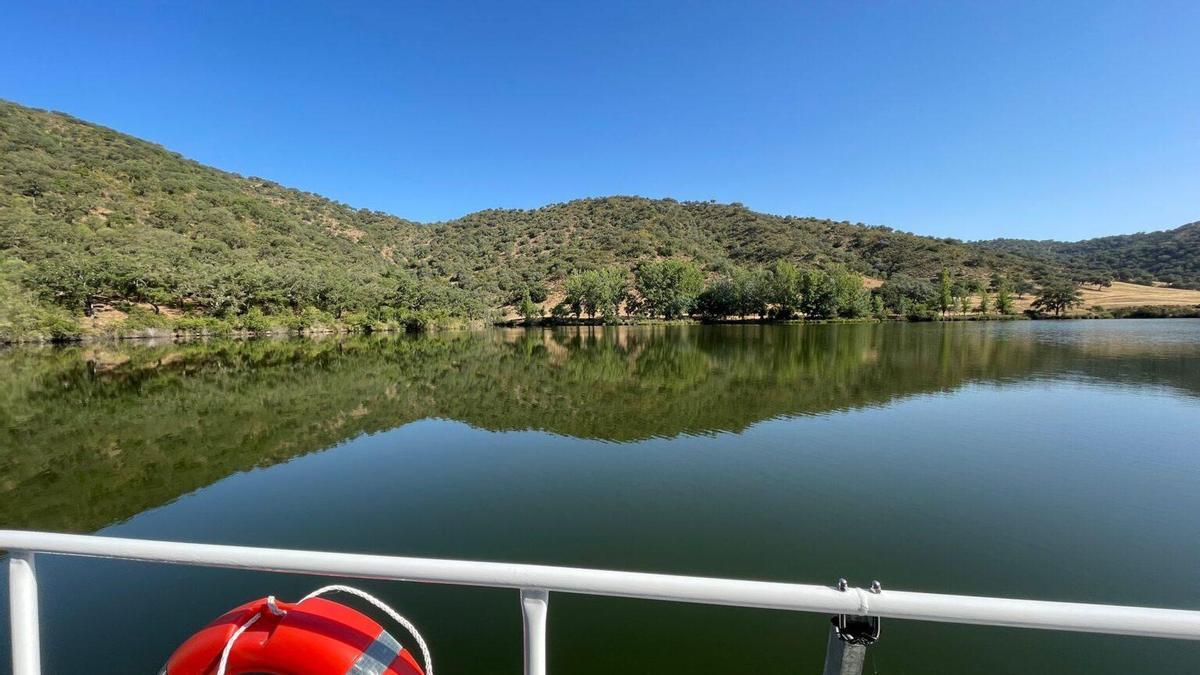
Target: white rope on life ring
[274,608]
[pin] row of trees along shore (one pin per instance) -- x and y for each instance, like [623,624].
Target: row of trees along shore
[675,289]
[204,299]
[245,295]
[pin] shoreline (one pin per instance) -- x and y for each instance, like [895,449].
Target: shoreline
[164,335]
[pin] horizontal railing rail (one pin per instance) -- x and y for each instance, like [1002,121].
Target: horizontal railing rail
[536,582]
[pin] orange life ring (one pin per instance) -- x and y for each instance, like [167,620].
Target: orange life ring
[311,637]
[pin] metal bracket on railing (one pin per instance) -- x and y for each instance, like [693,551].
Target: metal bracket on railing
[846,651]
[857,630]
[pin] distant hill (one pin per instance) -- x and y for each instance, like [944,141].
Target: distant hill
[1171,257]
[90,217]
[497,252]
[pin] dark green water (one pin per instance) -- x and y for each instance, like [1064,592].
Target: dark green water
[1055,460]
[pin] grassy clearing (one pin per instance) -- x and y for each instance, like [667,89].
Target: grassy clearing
[1123,296]
[1133,295]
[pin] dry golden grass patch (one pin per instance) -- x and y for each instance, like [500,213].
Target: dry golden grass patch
[1133,295]
[1121,294]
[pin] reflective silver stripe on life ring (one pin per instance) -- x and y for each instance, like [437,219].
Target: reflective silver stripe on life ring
[376,658]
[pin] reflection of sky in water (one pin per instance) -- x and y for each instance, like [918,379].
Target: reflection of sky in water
[1131,336]
[1045,477]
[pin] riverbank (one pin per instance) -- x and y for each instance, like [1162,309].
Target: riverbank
[1148,312]
[140,323]
[643,321]
[105,328]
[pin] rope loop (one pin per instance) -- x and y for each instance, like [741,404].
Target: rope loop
[381,605]
[274,608]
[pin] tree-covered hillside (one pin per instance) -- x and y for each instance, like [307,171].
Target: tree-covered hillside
[89,215]
[1171,256]
[497,253]
[103,232]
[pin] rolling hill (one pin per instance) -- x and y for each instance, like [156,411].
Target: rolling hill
[495,252]
[93,221]
[1171,257]
[89,215]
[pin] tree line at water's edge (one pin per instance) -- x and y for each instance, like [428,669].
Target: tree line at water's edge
[105,234]
[674,289]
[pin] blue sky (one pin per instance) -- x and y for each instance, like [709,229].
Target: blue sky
[968,119]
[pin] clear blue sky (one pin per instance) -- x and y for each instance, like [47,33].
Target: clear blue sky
[969,119]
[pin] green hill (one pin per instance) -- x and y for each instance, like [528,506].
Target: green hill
[497,252]
[102,232]
[1171,256]
[89,215]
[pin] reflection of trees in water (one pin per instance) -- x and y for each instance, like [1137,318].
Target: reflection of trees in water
[626,384]
[92,434]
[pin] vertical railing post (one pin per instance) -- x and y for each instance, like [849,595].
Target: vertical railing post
[23,614]
[843,658]
[533,610]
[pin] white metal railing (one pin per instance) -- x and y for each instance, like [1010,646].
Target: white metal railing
[535,582]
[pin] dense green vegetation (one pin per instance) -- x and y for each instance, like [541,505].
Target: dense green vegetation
[1155,312]
[501,254]
[1171,257]
[90,216]
[102,233]
[594,292]
[674,288]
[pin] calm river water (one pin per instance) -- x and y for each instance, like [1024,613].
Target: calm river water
[1055,460]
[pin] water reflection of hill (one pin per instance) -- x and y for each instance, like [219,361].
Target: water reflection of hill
[91,435]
